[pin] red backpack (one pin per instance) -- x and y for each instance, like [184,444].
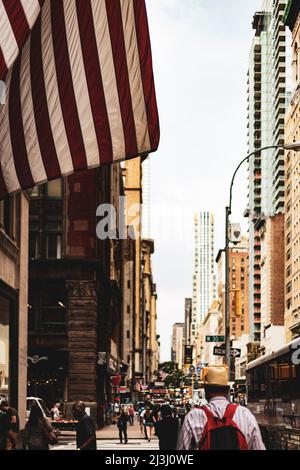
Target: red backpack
[222,433]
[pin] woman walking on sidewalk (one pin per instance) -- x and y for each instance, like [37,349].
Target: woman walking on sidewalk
[149,420]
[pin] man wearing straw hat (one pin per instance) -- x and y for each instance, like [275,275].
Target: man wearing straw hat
[220,425]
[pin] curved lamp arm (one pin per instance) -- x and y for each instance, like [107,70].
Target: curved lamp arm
[243,161]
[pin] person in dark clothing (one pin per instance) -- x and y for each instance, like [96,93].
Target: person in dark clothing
[4,428]
[149,423]
[122,421]
[14,428]
[85,428]
[38,431]
[167,429]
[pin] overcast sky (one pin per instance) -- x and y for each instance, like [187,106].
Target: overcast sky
[200,51]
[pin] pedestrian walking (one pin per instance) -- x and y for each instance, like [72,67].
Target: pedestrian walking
[85,428]
[149,422]
[38,431]
[4,428]
[220,425]
[131,415]
[181,413]
[55,412]
[141,414]
[167,429]
[122,421]
[14,424]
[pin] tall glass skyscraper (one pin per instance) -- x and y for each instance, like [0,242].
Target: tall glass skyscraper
[268,79]
[204,278]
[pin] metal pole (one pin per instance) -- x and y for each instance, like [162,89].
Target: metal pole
[227,289]
[227,293]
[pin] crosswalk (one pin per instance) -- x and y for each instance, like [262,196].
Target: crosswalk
[114,444]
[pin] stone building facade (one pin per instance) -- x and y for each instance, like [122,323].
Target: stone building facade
[13,301]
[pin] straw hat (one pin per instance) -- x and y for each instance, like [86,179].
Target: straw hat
[216,376]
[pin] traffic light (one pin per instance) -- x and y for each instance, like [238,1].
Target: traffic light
[237,303]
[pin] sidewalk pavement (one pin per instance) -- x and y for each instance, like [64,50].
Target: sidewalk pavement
[112,432]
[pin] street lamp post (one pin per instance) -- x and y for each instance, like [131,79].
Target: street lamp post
[295,146]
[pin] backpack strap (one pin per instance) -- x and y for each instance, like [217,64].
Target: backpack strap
[204,443]
[230,411]
[208,413]
[228,417]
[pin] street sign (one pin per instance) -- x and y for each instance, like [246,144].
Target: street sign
[235,233]
[159,391]
[222,352]
[214,339]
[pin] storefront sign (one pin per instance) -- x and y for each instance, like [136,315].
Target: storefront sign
[159,384]
[36,359]
[159,391]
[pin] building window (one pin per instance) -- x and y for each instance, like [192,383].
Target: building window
[36,192]
[53,246]
[33,242]
[7,215]
[54,189]
[53,311]
[47,308]
[295,63]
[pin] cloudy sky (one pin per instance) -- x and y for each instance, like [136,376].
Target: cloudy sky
[200,52]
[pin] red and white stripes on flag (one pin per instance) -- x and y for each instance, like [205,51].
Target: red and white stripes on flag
[17,18]
[80,93]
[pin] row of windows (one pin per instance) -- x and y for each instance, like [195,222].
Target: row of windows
[49,247]
[46,238]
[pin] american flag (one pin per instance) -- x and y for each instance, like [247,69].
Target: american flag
[79,88]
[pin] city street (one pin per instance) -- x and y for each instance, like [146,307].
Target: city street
[107,439]
[149,226]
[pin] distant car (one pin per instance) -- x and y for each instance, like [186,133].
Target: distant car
[31,401]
